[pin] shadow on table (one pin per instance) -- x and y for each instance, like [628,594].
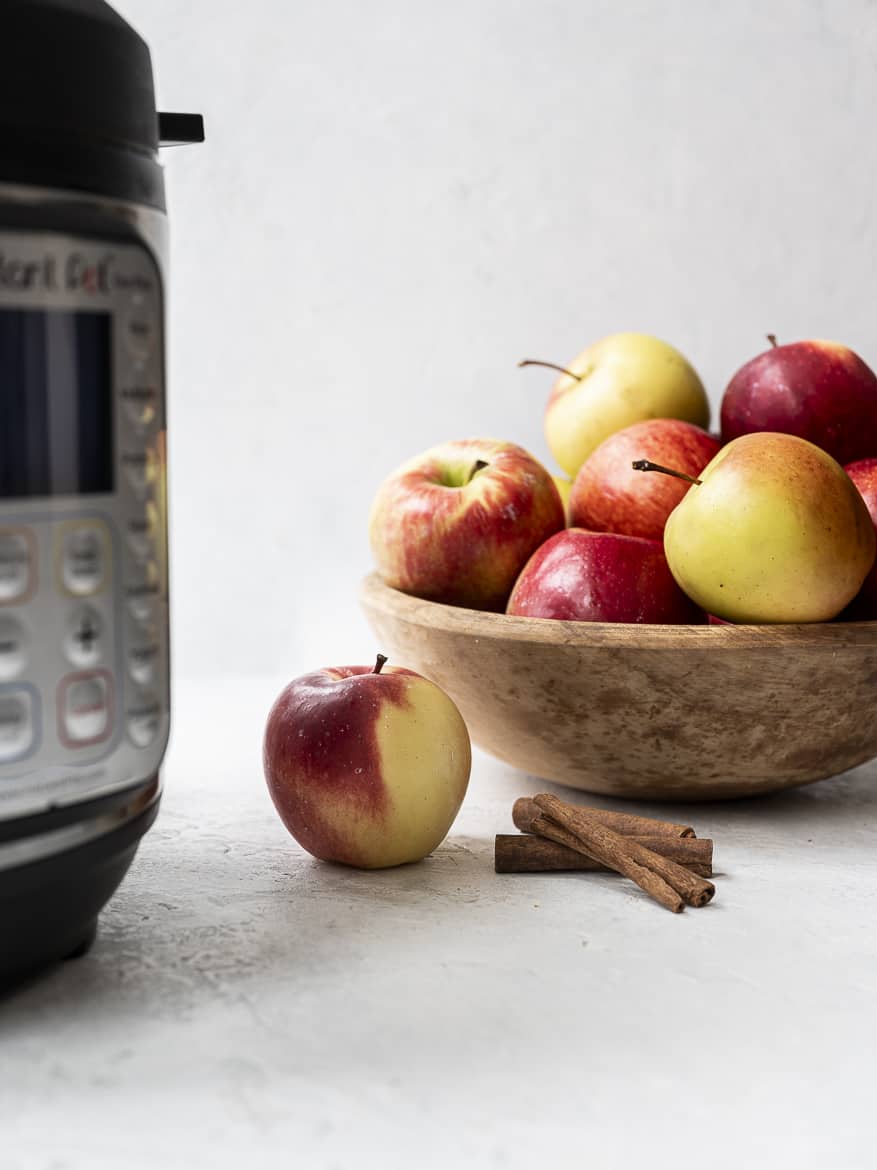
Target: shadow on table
[218,914]
[203,918]
[839,814]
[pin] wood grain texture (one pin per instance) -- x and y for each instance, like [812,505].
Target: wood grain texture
[651,712]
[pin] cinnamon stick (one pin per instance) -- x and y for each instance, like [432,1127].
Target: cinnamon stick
[522,853]
[652,873]
[629,824]
[650,882]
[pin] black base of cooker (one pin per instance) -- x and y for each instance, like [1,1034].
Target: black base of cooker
[49,910]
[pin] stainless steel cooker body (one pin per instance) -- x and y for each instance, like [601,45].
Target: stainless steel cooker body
[84,641]
[84,653]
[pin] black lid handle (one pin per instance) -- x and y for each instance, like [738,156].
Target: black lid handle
[180,129]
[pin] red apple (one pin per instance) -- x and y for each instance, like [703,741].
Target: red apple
[817,390]
[863,607]
[366,766]
[609,496]
[601,577]
[459,522]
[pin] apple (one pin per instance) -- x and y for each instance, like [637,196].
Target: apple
[609,496]
[863,607]
[817,390]
[367,767]
[459,522]
[774,530]
[585,576]
[564,490]
[623,379]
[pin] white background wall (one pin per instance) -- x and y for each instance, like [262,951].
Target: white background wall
[398,200]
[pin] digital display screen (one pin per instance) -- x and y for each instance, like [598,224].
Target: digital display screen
[56,403]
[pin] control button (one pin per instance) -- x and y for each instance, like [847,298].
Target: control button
[85,708]
[141,607]
[12,648]
[141,402]
[142,662]
[17,565]
[139,331]
[144,721]
[145,579]
[16,724]
[83,643]
[142,599]
[142,531]
[85,557]
[144,632]
[141,469]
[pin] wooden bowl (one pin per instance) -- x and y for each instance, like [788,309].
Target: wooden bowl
[655,712]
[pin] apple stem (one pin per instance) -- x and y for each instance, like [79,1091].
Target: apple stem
[647,465]
[380,664]
[479,465]
[772,338]
[550,366]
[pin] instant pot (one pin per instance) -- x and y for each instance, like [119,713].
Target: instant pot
[84,666]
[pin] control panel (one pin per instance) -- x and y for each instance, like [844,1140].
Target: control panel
[84,669]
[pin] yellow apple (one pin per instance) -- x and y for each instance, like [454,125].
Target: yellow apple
[623,379]
[564,490]
[773,530]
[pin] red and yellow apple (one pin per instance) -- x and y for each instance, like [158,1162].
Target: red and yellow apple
[817,390]
[863,607]
[623,379]
[601,577]
[609,496]
[367,767]
[775,531]
[458,523]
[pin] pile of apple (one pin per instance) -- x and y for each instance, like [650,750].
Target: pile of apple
[659,520]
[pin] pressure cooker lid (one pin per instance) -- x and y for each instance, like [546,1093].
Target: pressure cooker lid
[77,101]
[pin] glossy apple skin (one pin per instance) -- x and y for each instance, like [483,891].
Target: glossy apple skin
[609,496]
[817,390]
[366,769]
[439,532]
[863,607]
[623,379]
[776,532]
[584,576]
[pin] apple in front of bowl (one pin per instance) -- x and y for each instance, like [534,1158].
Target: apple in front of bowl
[623,379]
[610,496]
[459,522]
[818,390]
[601,577]
[366,766]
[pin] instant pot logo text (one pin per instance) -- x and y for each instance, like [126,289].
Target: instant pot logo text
[75,273]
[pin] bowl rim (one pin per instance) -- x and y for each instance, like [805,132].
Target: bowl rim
[376,595]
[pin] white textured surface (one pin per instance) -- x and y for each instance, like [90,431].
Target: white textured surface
[398,201]
[246,1006]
